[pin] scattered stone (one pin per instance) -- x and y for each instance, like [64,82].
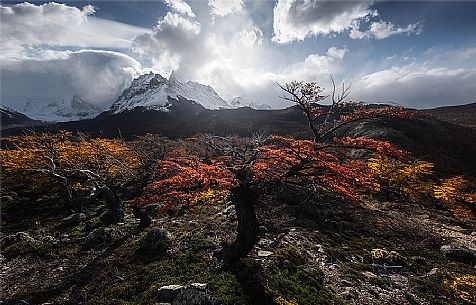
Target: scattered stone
[73,219]
[473,233]
[156,239]
[346,283]
[100,236]
[7,199]
[49,239]
[459,254]
[262,253]
[349,294]
[433,271]
[193,294]
[369,275]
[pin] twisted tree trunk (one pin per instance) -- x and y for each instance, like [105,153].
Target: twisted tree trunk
[248,227]
[114,204]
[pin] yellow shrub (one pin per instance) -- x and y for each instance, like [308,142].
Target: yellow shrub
[453,192]
[210,196]
[283,301]
[463,287]
[399,176]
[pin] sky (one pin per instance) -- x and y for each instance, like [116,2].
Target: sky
[419,54]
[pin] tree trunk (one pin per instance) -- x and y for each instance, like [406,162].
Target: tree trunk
[67,195]
[114,204]
[248,227]
[145,219]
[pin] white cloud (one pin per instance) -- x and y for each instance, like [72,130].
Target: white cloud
[173,38]
[418,85]
[336,53]
[298,19]
[226,7]
[98,76]
[26,26]
[180,6]
[382,30]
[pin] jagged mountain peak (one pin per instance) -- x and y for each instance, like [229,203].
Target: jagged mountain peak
[153,91]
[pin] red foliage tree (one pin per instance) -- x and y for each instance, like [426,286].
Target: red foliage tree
[245,165]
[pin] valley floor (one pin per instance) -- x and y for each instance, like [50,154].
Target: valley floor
[312,252]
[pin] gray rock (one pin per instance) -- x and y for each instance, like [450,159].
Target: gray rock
[7,199]
[168,293]
[73,219]
[459,254]
[369,275]
[100,236]
[49,239]
[433,271]
[349,294]
[262,253]
[156,239]
[152,209]
[193,294]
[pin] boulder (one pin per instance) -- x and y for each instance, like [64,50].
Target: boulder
[152,209]
[192,294]
[7,199]
[100,236]
[459,254]
[168,293]
[156,239]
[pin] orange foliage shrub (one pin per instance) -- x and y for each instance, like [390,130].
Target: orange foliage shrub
[182,181]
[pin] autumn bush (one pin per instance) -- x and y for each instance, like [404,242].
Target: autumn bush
[457,193]
[463,287]
[74,165]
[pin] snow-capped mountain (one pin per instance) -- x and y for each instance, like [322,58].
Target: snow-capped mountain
[48,109]
[10,118]
[247,101]
[153,92]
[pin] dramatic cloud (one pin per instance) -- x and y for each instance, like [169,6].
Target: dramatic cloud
[229,46]
[98,76]
[382,30]
[174,38]
[180,6]
[418,85]
[225,7]
[25,26]
[298,19]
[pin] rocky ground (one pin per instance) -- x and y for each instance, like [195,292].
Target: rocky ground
[315,251]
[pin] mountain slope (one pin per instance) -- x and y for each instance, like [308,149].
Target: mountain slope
[462,114]
[10,118]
